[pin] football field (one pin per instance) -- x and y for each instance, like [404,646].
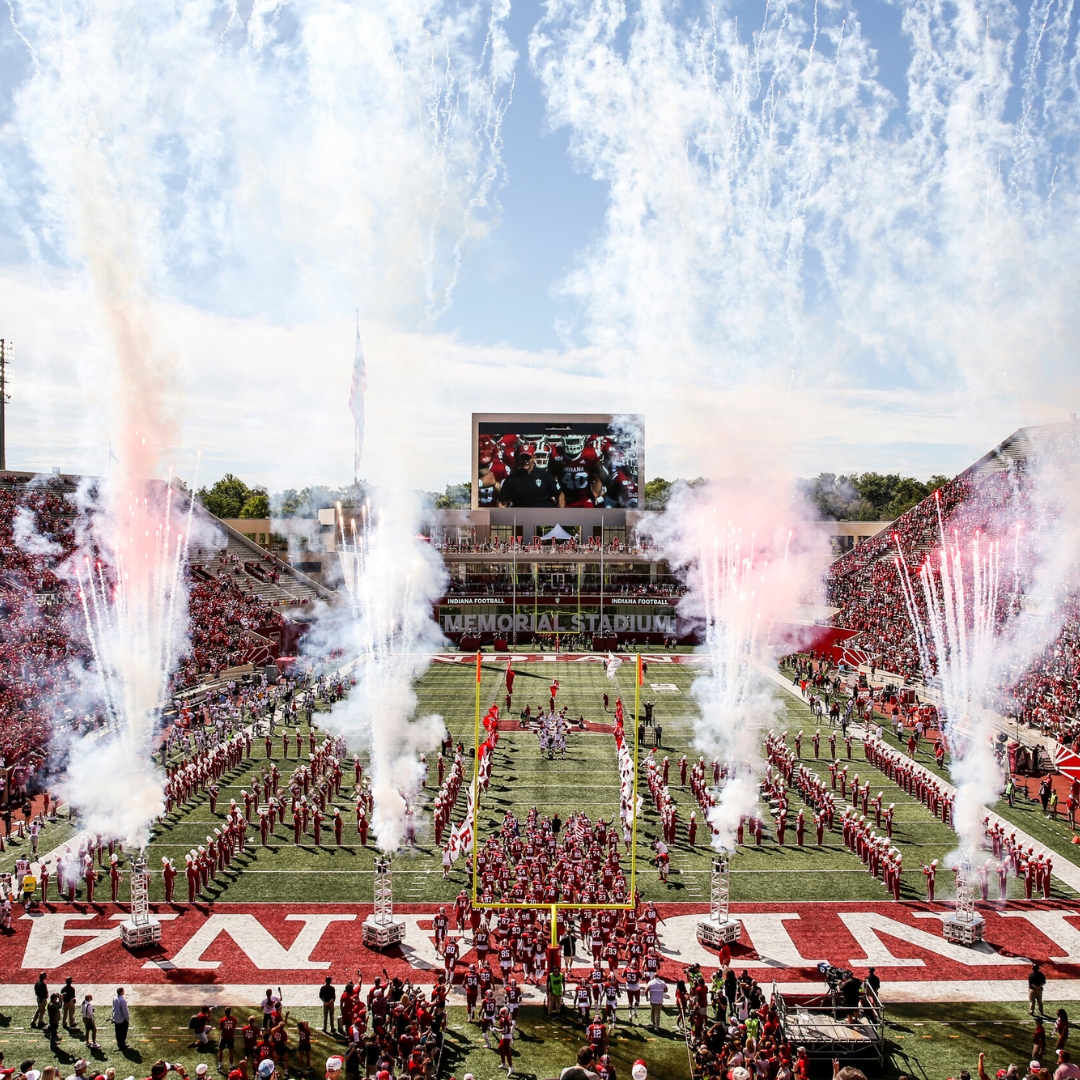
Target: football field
[288,914]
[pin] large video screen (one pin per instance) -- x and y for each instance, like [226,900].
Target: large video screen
[578,464]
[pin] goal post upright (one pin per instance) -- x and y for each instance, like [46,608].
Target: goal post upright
[634,791]
[476,777]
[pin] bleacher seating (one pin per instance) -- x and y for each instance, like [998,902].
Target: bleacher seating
[41,624]
[989,498]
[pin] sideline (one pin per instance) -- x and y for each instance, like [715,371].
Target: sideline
[306,995]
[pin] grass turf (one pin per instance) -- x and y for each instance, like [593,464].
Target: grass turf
[542,1048]
[927,1042]
[585,778]
[923,1045]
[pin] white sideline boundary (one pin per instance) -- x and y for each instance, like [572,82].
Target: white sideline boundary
[306,995]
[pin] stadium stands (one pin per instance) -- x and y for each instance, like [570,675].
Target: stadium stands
[239,597]
[992,497]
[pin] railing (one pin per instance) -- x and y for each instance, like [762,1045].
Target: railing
[821,1022]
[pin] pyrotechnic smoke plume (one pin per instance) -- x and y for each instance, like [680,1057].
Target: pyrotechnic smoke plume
[295,159]
[981,606]
[389,627]
[748,560]
[130,574]
[286,160]
[780,214]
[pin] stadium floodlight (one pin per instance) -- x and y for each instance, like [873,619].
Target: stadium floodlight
[630,903]
[964,926]
[381,929]
[140,928]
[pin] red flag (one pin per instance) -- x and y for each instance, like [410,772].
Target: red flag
[478,666]
[509,678]
[618,710]
[640,676]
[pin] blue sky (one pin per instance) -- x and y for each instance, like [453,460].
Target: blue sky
[550,212]
[813,240]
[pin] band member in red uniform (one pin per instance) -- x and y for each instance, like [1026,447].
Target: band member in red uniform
[168,874]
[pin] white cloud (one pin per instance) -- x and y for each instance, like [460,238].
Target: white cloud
[271,403]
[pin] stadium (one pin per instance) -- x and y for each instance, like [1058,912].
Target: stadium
[827,928]
[539,539]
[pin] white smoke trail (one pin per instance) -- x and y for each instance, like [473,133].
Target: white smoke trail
[391,630]
[284,158]
[287,158]
[747,561]
[777,213]
[982,607]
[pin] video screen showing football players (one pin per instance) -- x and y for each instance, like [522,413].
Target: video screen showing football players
[573,465]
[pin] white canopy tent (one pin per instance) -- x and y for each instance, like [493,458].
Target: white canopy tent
[557,533]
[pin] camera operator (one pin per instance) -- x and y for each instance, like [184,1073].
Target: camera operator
[850,990]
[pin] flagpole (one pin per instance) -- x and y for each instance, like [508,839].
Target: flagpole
[476,778]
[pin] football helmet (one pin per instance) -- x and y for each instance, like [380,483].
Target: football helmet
[573,445]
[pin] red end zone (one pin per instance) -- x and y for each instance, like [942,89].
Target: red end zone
[240,946]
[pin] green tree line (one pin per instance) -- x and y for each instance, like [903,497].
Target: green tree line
[868,496]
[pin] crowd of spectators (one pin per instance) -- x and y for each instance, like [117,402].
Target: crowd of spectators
[224,619]
[575,546]
[744,1032]
[42,629]
[866,586]
[36,646]
[501,585]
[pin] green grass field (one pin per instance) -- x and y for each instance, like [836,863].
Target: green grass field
[586,778]
[924,1045]
[929,1042]
[543,1047]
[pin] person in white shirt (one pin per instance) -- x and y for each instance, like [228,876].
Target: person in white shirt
[120,1018]
[269,1003]
[656,990]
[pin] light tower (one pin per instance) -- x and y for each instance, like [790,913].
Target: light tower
[965,925]
[719,926]
[141,928]
[381,929]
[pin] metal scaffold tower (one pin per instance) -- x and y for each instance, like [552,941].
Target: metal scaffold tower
[381,929]
[140,928]
[719,926]
[965,925]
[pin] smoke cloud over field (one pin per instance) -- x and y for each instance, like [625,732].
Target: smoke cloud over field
[394,579]
[290,159]
[781,214]
[749,557]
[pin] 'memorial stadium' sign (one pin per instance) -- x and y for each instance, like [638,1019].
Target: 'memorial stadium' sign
[559,622]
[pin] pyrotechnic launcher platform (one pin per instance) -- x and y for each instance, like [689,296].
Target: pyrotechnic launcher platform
[381,929]
[141,929]
[719,927]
